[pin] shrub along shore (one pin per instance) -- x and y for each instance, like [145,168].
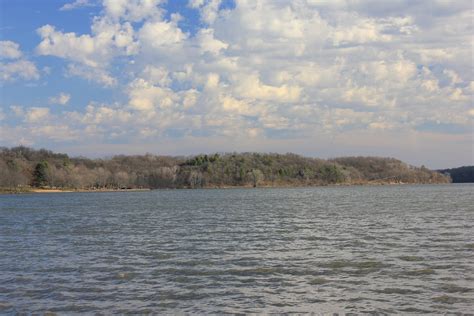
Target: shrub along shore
[24,169]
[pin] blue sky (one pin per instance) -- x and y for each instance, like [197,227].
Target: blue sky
[315,77]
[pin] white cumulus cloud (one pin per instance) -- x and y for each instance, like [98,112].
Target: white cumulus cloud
[9,50]
[15,67]
[76,4]
[18,69]
[62,99]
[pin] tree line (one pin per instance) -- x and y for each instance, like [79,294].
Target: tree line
[464,174]
[23,167]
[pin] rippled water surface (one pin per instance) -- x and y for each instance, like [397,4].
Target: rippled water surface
[334,249]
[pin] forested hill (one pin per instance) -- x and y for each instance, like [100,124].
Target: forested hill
[25,167]
[460,175]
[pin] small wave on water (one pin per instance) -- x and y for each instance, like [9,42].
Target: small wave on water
[345,250]
[402,291]
[318,281]
[411,258]
[448,299]
[420,272]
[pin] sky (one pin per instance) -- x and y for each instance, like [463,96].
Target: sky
[179,77]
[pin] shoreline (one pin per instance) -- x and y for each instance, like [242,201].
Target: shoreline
[37,190]
[66,190]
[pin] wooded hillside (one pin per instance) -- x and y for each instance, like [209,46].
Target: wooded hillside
[463,174]
[24,167]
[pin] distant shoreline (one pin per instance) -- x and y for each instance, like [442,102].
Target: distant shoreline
[38,190]
[43,190]
[27,169]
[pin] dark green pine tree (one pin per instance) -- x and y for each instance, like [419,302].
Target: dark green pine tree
[40,174]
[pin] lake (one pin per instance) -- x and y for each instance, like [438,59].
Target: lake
[354,249]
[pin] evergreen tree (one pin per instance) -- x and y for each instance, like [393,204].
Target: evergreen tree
[40,174]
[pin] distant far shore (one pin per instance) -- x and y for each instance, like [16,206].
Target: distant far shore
[24,169]
[72,190]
